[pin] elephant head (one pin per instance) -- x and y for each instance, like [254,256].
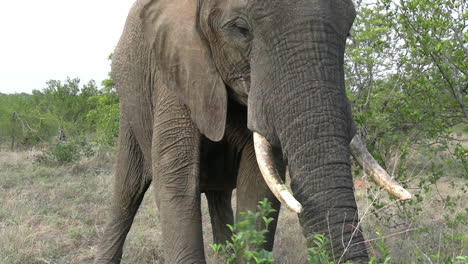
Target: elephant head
[282,60]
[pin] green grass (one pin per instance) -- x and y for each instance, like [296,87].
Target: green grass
[56,214]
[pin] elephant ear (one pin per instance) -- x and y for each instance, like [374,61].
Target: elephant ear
[186,63]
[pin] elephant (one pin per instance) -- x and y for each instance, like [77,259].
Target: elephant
[218,95]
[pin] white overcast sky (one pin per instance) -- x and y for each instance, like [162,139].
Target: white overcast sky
[52,39]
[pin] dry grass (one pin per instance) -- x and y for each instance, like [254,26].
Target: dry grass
[55,214]
[48,214]
[419,236]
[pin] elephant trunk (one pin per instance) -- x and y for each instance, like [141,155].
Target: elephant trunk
[315,139]
[312,123]
[298,103]
[314,128]
[322,183]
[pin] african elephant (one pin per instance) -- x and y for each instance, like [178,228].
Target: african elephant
[216,95]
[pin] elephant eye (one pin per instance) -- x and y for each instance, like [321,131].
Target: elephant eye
[243,30]
[240,26]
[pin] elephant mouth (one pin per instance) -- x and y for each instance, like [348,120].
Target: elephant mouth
[265,160]
[239,89]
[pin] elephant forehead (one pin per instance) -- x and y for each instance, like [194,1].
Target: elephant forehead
[340,13]
[180,12]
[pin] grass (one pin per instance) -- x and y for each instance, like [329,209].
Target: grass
[418,236]
[48,214]
[53,213]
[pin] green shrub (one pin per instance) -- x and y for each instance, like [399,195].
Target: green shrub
[246,241]
[70,151]
[319,253]
[383,249]
[65,152]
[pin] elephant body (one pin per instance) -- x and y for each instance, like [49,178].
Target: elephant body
[194,81]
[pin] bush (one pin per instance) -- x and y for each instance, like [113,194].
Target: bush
[70,151]
[319,253]
[65,152]
[246,241]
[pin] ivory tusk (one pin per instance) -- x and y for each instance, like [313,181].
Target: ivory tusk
[266,163]
[371,167]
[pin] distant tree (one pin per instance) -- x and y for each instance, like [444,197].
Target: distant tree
[40,114]
[70,103]
[406,68]
[105,115]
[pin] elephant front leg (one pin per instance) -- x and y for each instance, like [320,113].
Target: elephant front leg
[175,154]
[251,188]
[219,205]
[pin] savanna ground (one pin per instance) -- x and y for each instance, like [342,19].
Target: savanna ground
[52,213]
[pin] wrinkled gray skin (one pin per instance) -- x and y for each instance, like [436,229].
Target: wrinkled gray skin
[195,79]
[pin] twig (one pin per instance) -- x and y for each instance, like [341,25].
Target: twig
[390,235]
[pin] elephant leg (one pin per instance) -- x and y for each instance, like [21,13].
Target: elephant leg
[251,188]
[219,205]
[176,166]
[132,179]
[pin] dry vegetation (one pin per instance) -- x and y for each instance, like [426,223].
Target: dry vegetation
[55,214]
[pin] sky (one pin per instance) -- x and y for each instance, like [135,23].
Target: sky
[56,39]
